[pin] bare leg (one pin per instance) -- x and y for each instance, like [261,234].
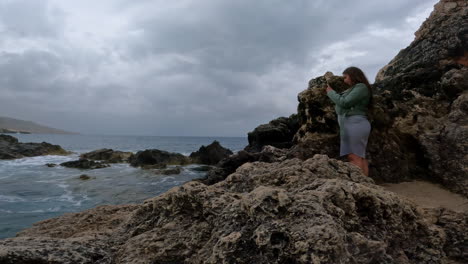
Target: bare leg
[360,162]
[365,167]
[356,160]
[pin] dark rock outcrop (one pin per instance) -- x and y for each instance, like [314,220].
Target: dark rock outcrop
[228,166]
[108,155]
[211,154]
[155,157]
[10,148]
[316,211]
[425,90]
[84,164]
[169,171]
[278,133]
[84,177]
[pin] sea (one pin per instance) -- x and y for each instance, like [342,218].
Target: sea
[30,191]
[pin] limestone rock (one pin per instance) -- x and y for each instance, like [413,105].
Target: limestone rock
[316,112]
[316,211]
[424,88]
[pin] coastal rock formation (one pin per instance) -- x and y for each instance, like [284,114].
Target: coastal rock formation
[84,164]
[316,211]
[276,205]
[10,148]
[156,156]
[419,119]
[278,133]
[425,90]
[211,154]
[108,155]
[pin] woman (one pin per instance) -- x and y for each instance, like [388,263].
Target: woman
[351,107]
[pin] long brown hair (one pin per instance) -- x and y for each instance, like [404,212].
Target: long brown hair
[357,76]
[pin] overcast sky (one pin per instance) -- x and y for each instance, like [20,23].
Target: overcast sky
[186,67]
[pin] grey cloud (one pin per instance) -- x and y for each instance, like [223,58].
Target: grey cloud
[31,70]
[23,18]
[207,68]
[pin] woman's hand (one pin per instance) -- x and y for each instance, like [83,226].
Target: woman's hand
[329,88]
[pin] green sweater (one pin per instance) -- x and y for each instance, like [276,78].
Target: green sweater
[353,101]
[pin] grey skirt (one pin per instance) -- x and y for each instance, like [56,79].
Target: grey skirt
[354,133]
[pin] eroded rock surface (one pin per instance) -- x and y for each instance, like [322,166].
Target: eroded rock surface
[316,211]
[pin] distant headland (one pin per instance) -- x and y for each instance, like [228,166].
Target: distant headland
[17,126]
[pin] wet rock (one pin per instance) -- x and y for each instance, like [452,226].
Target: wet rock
[84,177]
[211,154]
[170,171]
[84,164]
[108,155]
[10,148]
[154,166]
[155,157]
[202,168]
[51,165]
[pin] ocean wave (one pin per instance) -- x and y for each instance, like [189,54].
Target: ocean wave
[48,210]
[11,199]
[39,160]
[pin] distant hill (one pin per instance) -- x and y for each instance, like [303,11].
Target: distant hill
[11,125]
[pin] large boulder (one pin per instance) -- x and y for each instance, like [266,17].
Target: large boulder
[10,148]
[316,211]
[211,154]
[108,155]
[278,133]
[316,113]
[157,157]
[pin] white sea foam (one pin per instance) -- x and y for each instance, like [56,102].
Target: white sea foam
[6,211]
[10,199]
[39,160]
[48,210]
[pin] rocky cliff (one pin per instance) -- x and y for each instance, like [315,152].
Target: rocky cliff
[419,122]
[297,205]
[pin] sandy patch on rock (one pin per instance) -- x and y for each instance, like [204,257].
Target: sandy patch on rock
[429,195]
